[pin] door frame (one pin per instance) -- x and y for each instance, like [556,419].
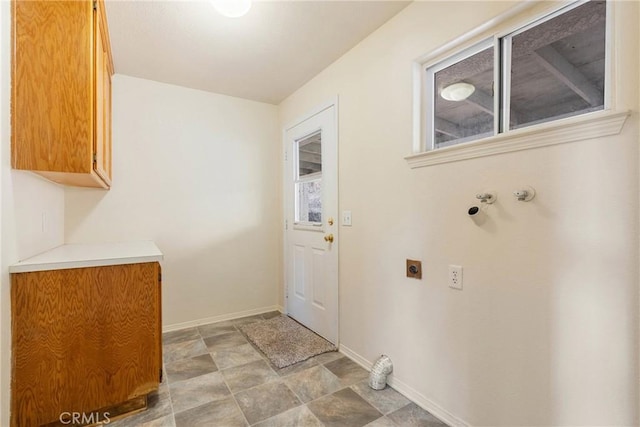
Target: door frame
[331,102]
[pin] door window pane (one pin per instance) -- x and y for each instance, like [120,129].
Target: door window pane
[558,66]
[308,183]
[464,107]
[310,155]
[309,195]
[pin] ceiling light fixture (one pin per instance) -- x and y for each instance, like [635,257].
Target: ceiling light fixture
[232,8]
[457,91]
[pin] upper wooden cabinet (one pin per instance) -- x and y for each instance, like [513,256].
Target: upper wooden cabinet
[61,100]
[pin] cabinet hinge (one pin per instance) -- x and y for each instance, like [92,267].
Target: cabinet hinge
[95,158]
[159,276]
[95,5]
[286,224]
[160,376]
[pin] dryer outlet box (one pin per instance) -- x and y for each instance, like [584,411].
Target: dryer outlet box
[414,268]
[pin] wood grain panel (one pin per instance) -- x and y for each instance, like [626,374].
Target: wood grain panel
[160,374]
[61,94]
[103,72]
[83,339]
[52,118]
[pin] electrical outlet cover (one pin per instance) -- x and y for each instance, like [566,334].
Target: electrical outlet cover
[455,277]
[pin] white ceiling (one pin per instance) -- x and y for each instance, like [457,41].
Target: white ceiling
[265,56]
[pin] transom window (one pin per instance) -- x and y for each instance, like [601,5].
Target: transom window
[550,69]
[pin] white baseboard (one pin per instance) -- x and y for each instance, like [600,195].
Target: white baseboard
[409,392]
[356,357]
[221,318]
[435,409]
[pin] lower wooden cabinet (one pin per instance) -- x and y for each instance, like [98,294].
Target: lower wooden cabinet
[85,340]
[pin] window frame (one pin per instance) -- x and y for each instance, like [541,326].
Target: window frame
[430,89]
[505,41]
[606,121]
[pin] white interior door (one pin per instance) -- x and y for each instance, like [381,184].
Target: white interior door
[311,235]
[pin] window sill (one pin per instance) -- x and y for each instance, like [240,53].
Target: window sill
[587,126]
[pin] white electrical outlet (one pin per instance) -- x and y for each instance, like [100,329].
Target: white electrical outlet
[455,277]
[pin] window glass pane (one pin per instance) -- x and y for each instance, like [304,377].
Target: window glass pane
[309,201]
[464,100]
[557,67]
[310,154]
[308,183]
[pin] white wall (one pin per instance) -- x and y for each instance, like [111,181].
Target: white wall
[199,174]
[546,329]
[25,199]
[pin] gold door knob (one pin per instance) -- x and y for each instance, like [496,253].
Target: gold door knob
[328,238]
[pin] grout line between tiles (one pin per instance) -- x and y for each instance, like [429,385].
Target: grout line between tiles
[166,378]
[234,399]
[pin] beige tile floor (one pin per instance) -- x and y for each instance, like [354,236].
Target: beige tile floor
[214,377]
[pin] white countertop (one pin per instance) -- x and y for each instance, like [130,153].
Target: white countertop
[90,255]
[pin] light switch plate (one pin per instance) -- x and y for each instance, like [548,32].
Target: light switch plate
[346,218]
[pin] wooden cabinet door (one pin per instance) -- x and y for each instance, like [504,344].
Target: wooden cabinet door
[103,71]
[83,339]
[61,91]
[52,85]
